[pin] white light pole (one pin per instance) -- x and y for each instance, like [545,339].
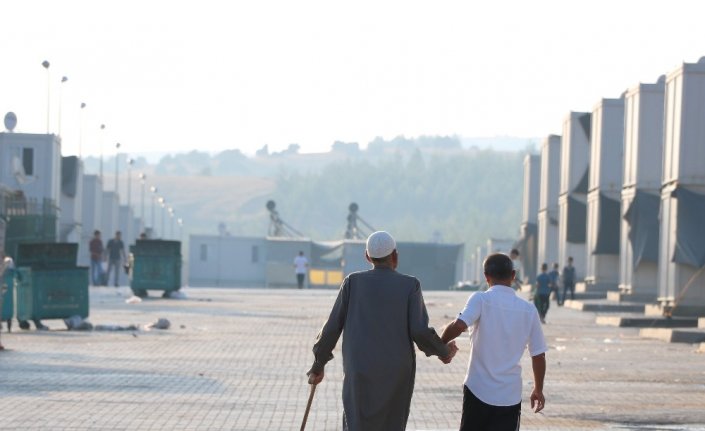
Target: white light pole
[61,98]
[117,168]
[130,162]
[171,223]
[153,189]
[180,222]
[80,131]
[162,202]
[45,64]
[143,179]
[102,137]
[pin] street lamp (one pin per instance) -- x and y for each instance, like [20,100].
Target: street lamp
[130,162]
[180,222]
[171,222]
[117,170]
[61,94]
[102,137]
[162,202]
[45,64]
[143,179]
[153,189]
[80,131]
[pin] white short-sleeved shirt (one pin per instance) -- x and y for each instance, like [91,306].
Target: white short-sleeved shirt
[501,326]
[300,263]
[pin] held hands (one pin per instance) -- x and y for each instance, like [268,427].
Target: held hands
[453,349]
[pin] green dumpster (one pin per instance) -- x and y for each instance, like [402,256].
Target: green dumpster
[49,285]
[155,265]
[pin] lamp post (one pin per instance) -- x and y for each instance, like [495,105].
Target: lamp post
[80,131]
[117,167]
[102,137]
[162,202]
[130,162]
[153,189]
[45,64]
[61,97]
[143,179]
[171,222]
[180,222]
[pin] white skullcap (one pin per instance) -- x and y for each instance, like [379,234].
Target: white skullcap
[380,244]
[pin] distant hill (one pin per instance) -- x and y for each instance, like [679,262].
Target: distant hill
[420,189]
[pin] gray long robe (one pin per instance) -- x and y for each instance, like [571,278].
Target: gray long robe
[381,313]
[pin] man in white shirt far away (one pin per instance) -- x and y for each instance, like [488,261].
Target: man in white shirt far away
[300,266]
[501,326]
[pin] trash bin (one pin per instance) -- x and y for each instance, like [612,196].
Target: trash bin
[49,285]
[155,265]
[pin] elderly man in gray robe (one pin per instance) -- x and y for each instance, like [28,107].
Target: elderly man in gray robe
[381,314]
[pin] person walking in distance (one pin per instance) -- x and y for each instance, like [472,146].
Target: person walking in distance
[95,247]
[300,267]
[116,256]
[381,315]
[516,264]
[502,326]
[568,279]
[542,296]
[554,276]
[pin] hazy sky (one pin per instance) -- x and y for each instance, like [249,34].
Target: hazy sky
[174,76]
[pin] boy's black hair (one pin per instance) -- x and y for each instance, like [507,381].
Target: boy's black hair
[498,266]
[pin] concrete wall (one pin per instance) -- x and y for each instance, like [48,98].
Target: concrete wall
[91,210]
[643,161]
[547,217]
[606,155]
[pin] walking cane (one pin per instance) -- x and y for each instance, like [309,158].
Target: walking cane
[308,406]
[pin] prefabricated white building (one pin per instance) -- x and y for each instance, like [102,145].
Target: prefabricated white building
[227,261]
[604,189]
[572,200]
[681,245]
[71,200]
[109,215]
[643,160]
[547,217]
[31,163]
[91,210]
[527,244]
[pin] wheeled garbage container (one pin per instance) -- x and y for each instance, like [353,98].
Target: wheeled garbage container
[49,285]
[155,265]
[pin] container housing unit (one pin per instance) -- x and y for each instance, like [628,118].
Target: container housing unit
[643,160]
[547,218]
[527,244]
[572,199]
[604,189]
[682,244]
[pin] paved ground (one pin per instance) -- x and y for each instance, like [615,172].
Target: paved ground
[235,359]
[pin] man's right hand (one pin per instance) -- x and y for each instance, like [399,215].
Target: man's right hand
[537,400]
[314,378]
[452,350]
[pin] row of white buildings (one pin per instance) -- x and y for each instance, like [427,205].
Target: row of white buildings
[622,191]
[46,197]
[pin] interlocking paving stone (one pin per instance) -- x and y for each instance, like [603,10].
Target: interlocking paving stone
[234,359]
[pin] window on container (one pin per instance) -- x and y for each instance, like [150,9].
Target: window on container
[204,252]
[28,160]
[255,254]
